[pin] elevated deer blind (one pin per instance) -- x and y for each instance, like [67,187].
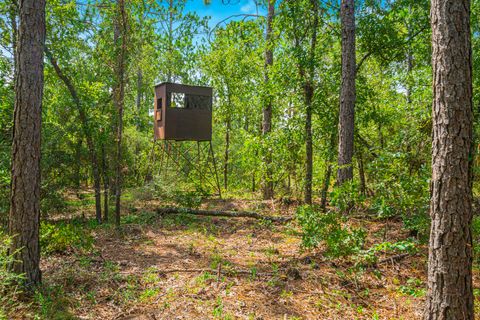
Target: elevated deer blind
[182,112]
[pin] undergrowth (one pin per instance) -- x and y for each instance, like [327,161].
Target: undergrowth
[9,282]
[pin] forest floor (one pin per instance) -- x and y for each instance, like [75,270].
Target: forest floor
[190,267]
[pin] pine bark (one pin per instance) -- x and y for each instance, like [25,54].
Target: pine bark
[346,123]
[268,191]
[450,293]
[24,218]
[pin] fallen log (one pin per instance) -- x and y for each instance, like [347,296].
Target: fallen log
[218,213]
[394,258]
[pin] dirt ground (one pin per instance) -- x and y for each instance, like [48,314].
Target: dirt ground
[186,267]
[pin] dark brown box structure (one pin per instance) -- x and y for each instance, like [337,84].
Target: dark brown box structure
[182,112]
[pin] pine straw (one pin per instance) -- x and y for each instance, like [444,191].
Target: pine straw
[264,275]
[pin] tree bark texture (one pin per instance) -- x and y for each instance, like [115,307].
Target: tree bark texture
[346,124]
[450,294]
[24,218]
[267,109]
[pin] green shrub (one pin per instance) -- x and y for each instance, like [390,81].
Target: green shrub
[61,237]
[52,303]
[9,281]
[398,189]
[142,218]
[418,224]
[370,256]
[476,239]
[328,228]
[346,196]
[52,198]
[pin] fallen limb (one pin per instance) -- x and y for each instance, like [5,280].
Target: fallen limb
[218,213]
[214,271]
[394,258]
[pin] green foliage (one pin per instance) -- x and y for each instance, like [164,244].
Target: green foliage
[52,303]
[9,282]
[61,237]
[346,196]
[142,218]
[370,256]
[398,191]
[328,228]
[476,240]
[414,288]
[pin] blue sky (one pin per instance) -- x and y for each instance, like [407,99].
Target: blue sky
[219,11]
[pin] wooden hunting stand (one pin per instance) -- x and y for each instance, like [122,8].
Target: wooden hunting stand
[184,113]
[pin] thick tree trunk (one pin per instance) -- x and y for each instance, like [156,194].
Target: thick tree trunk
[267,109]
[450,293]
[25,184]
[87,132]
[119,97]
[346,123]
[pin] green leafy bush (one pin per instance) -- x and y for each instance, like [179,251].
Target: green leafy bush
[346,196]
[328,228]
[476,239]
[9,281]
[61,237]
[370,256]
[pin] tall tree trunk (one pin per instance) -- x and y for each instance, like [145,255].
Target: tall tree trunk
[138,103]
[326,184]
[328,172]
[361,173]
[409,60]
[106,184]
[119,97]
[13,13]
[346,125]
[450,292]
[267,108]
[308,144]
[87,132]
[24,217]
[227,152]
[170,41]
[78,166]
[309,92]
